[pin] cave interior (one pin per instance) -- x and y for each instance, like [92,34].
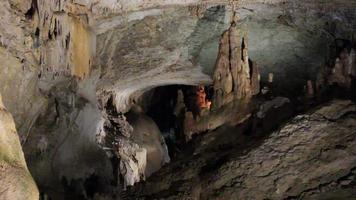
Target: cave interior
[170,99]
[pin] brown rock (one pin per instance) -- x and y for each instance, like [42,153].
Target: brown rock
[310,88]
[338,76]
[255,79]
[232,73]
[352,63]
[189,124]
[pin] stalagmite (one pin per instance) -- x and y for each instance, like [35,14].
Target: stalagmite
[337,75]
[352,63]
[255,79]
[270,78]
[353,38]
[235,54]
[223,79]
[180,106]
[342,73]
[310,89]
[188,125]
[232,79]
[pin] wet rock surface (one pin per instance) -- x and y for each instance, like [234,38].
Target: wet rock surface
[310,157]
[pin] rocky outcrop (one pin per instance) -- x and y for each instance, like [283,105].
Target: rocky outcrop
[137,144]
[234,77]
[235,80]
[18,74]
[16,181]
[271,114]
[344,70]
[147,135]
[61,149]
[310,157]
[338,76]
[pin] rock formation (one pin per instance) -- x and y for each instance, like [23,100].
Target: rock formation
[147,135]
[62,60]
[341,71]
[234,77]
[16,181]
[140,149]
[310,157]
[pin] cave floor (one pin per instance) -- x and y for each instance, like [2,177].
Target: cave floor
[311,157]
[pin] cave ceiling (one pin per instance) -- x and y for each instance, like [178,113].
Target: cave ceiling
[179,45]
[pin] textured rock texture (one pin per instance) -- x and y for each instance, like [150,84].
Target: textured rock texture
[310,157]
[61,60]
[303,32]
[147,135]
[117,38]
[233,73]
[16,181]
[136,142]
[61,149]
[19,68]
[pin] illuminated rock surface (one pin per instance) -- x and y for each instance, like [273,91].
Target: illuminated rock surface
[61,61]
[16,181]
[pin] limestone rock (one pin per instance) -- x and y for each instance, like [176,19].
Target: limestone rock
[19,70]
[338,76]
[133,160]
[310,157]
[137,144]
[255,79]
[16,181]
[147,135]
[189,125]
[232,79]
[180,105]
[271,113]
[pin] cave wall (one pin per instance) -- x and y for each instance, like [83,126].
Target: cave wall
[16,181]
[19,68]
[293,40]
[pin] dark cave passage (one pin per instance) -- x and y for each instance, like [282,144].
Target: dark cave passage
[167,106]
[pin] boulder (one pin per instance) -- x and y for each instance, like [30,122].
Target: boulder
[147,135]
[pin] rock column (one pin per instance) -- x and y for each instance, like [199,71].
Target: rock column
[234,78]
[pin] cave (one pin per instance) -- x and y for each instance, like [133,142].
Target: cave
[173,99]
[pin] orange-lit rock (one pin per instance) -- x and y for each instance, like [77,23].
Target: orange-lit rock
[201,100]
[81,50]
